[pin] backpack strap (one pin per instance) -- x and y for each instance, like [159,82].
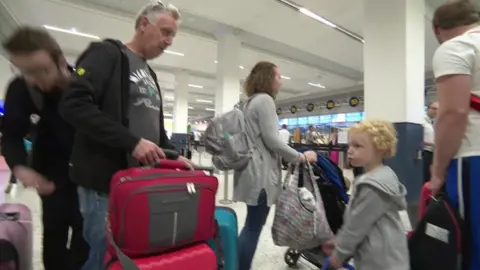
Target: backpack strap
[243,105]
[116,43]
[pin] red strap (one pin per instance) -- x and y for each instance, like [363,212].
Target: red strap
[458,231]
[475,102]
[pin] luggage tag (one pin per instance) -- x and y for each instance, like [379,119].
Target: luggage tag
[407,225]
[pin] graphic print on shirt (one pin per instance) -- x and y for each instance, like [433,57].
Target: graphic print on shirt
[148,95]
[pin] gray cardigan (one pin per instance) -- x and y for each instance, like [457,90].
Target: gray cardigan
[264,170]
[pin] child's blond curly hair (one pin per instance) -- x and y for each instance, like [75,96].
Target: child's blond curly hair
[382,133]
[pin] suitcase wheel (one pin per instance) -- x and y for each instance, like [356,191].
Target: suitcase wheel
[291,257]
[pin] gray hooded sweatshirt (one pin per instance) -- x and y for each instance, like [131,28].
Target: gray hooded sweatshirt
[373,233]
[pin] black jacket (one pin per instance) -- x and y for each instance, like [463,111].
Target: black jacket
[53,136]
[97,105]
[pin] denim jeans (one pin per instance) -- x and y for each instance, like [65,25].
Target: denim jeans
[248,239]
[94,210]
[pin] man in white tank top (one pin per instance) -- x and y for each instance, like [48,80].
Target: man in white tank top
[456,164]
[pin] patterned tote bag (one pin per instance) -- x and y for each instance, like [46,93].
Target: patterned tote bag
[300,221]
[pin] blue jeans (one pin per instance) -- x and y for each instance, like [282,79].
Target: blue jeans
[93,207]
[248,239]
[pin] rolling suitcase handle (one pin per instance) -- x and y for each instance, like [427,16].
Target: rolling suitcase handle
[176,164]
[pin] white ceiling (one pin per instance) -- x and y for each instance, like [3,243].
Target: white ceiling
[305,50]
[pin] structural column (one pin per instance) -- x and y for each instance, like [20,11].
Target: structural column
[228,72]
[394,70]
[180,107]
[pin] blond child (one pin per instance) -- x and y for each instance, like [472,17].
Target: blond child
[372,232]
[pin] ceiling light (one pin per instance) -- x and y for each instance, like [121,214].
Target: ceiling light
[195,85]
[168,114]
[173,53]
[210,109]
[316,17]
[204,101]
[316,85]
[286,78]
[241,67]
[296,7]
[190,108]
[216,62]
[72,31]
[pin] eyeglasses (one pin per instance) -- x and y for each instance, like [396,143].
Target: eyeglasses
[161,5]
[34,72]
[157,3]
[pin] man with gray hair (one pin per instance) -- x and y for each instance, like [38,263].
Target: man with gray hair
[115,105]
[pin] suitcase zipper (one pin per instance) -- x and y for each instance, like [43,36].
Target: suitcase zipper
[153,176]
[190,186]
[191,189]
[150,177]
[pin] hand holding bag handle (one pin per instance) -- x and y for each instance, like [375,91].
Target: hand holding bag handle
[345,266]
[177,164]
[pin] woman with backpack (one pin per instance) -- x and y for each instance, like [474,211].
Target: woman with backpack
[259,184]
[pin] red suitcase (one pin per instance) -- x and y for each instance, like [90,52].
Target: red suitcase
[199,256]
[425,198]
[155,209]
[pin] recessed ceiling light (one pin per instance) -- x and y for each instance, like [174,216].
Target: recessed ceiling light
[195,85]
[204,101]
[190,108]
[168,114]
[174,53]
[316,85]
[286,78]
[210,109]
[216,62]
[241,67]
[72,31]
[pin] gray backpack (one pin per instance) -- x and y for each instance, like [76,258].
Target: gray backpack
[227,141]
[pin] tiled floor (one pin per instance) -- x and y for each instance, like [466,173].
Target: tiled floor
[268,255]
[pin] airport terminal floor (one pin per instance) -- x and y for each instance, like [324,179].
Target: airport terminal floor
[268,255]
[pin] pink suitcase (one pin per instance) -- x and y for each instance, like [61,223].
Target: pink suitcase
[199,256]
[16,237]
